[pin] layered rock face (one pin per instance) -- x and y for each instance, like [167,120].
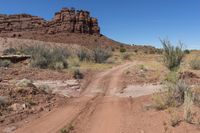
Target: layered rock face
[65,21]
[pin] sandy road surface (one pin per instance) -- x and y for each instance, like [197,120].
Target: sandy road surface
[97,110]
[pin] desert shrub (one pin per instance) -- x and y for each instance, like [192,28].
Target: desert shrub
[113,49]
[126,56]
[68,129]
[10,51]
[175,119]
[63,130]
[186,51]
[73,61]
[85,54]
[195,63]
[25,83]
[160,101]
[188,102]
[159,51]
[197,96]
[172,77]
[49,58]
[101,55]
[110,60]
[172,55]
[122,49]
[152,51]
[78,74]
[5,63]
[29,50]
[172,95]
[135,50]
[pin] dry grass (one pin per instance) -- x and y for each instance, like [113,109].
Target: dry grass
[195,63]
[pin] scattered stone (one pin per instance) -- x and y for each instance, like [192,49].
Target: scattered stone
[17,106]
[9,129]
[25,83]
[75,87]
[71,83]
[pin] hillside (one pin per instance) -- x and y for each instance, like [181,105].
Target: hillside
[68,26]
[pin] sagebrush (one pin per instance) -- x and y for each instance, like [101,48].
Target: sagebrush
[5,63]
[171,95]
[43,57]
[101,54]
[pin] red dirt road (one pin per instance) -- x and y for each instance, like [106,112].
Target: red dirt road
[99,110]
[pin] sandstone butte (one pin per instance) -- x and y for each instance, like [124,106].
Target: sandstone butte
[65,21]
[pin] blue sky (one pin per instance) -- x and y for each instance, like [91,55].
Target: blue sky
[128,21]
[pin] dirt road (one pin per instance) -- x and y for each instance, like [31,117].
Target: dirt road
[98,110]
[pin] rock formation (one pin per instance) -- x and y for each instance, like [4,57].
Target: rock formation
[65,21]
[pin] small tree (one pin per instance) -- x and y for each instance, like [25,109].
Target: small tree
[173,55]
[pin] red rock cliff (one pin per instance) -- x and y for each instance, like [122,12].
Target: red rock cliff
[65,21]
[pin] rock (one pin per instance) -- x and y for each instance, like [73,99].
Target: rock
[17,106]
[67,20]
[72,83]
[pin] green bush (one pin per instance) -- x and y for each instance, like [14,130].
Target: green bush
[172,55]
[84,54]
[48,58]
[101,55]
[172,77]
[5,63]
[122,49]
[73,62]
[195,63]
[186,51]
[10,51]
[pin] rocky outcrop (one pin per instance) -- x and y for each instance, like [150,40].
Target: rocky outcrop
[65,21]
